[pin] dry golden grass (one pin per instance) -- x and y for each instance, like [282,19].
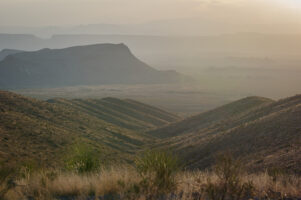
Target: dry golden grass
[286,186]
[48,185]
[123,183]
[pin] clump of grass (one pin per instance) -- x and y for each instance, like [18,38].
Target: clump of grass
[6,181]
[229,184]
[275,173]
[83,159]
[158,170]
[27,168]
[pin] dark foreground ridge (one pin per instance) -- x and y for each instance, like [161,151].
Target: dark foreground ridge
[262,132]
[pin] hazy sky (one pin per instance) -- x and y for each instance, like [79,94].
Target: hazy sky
[74,12]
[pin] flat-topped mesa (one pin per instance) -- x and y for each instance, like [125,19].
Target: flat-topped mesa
[80,65]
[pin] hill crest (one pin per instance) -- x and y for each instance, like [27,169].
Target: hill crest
[211,117]
[42,131]
[264,136]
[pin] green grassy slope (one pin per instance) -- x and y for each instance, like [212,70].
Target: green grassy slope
[43,131]
[265,136]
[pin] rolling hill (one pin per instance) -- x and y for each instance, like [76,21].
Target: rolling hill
[80,65]
[212,117]
[261,132]
[126,113]
[43,131]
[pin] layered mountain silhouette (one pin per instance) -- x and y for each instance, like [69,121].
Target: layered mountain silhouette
[80,65]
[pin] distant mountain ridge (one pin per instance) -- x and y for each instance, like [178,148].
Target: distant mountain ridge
[79,65]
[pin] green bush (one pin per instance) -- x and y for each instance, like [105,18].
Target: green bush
[157,170]
[83,159]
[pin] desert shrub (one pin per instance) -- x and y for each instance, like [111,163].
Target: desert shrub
[27,168]
[83,159]
[275,173]
[158,170]
[229,184]
[6,180]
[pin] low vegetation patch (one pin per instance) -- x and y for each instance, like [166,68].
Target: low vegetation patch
[157,171]
[6,177]
[156,176]
[83,159]
[229,183]
[125,183]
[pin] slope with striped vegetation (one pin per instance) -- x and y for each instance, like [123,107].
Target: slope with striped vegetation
[43,131]
[263,133]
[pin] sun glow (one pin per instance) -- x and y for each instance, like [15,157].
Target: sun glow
[292,3]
